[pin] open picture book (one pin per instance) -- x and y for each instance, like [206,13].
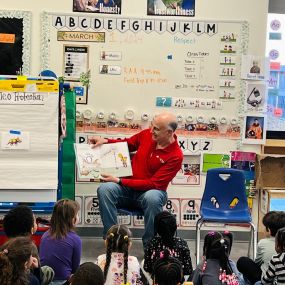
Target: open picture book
[113,159]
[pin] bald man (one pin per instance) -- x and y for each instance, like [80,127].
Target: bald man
[157,160]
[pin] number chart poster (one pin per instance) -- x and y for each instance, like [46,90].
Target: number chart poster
[187,57]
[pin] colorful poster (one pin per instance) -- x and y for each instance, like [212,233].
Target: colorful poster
[189,174]
[254,131]
[245,161]
[97,6]
[171,8]
[215,161]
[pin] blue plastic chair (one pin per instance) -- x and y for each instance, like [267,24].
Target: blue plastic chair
[224,201]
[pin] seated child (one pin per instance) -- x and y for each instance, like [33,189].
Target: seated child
[118,266]
[275,273]
[60,246]
[20,221]
[16,261]
[252,270]
[165,228]
[167,270]
[88,273]
[217,268]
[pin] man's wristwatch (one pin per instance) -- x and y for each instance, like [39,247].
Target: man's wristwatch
[120,182]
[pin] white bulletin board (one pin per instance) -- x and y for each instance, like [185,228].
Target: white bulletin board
[143,60]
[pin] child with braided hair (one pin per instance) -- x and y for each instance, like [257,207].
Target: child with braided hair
[16,260]
[118,267]
[167,270]
[217,268]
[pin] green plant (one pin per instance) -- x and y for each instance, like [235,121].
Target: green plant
[85,78]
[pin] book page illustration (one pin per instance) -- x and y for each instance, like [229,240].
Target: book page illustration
[111,159]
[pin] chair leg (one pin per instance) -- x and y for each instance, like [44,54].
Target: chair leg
[253,241]
[198,238]
[254,238]
[250,242]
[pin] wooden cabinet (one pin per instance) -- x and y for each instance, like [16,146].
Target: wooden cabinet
[273,147]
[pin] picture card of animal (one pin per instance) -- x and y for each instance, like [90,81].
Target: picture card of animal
[113,159]
[15,140]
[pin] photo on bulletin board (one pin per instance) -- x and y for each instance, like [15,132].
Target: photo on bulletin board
[184,8]
[254,67]
[75,61]
[97,6]
[189,174]
[255,96]
[254,131]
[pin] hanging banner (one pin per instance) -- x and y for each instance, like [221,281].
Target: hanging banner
[135,25]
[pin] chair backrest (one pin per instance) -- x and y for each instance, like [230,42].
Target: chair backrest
[224,190]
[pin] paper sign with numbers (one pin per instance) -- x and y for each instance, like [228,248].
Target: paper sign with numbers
[138,221]
[173,206]
[190,209]
[91,212]
[79,199]
[124,219]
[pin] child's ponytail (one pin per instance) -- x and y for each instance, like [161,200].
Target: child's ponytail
[6,268]
[110,241]
[118,240]
[126,257]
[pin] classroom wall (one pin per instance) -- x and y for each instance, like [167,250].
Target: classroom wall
[254,12]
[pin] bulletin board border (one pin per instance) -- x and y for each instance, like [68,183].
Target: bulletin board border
[27,21]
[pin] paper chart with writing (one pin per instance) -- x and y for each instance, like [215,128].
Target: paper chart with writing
[29,134]
[75,61]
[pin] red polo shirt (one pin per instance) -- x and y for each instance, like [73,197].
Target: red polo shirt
[152,168]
